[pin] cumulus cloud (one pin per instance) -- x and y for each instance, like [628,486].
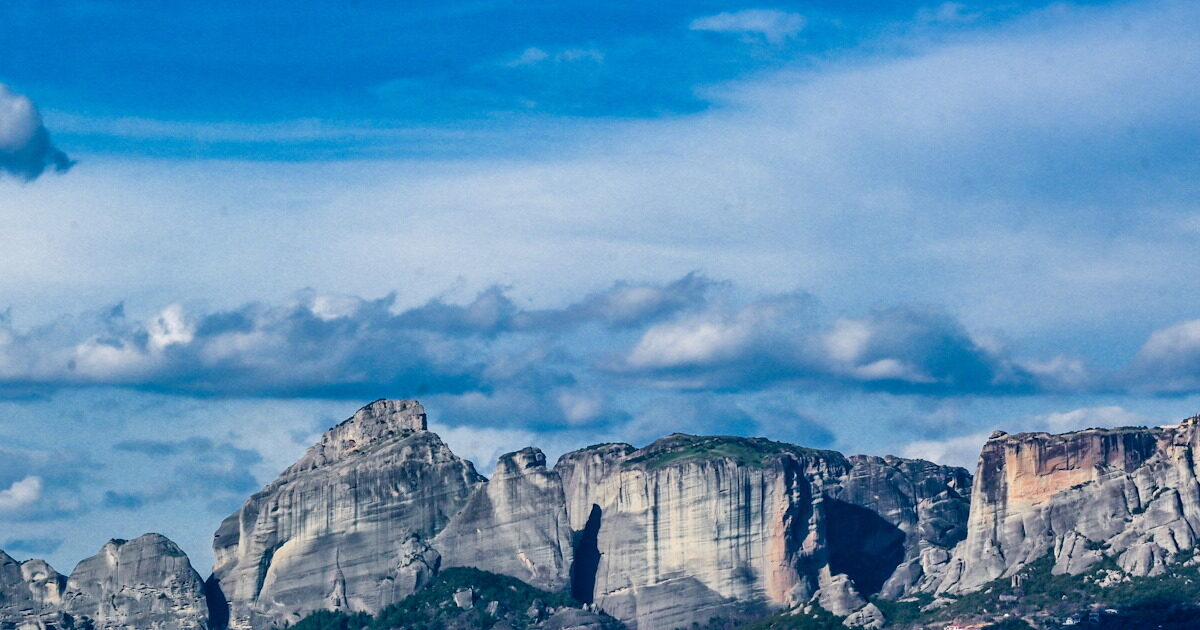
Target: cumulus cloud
[1088,418]
[1168,362]
[959,451]
[689,334]
[770,24]
[25,147]
[21,494]
[37,485]
[781,339]
[38,545]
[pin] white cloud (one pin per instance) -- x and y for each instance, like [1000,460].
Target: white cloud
[959,451]
[774,26]
[25,148]
[1088,418]
[948,13]
[482,445]
[529,57]
[688,343]
[533,56]
[21,494]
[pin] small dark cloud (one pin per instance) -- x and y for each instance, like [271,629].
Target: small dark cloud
[34,546]
[198,468]
[123,500]
[25,147]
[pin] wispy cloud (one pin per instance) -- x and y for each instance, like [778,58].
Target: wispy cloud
[772,25]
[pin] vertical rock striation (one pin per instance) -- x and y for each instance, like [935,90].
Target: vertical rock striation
[516,524]
[347,527]
[1131,493]
[30,592]
[146,583]
[694,527]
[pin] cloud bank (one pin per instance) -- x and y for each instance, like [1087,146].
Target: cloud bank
[690,334]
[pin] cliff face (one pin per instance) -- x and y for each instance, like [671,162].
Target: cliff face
[147,583]
[29,591]
[516,524]
[689,528]
[1131,493]
[347,526]
[680,531]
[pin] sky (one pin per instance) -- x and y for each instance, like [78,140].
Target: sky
[876,227]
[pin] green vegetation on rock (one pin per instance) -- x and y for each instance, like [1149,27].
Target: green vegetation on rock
[744,451]
[433,607]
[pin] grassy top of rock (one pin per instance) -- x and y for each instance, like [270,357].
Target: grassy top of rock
[681,447]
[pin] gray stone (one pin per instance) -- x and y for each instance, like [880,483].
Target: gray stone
[146,583]
[464,598]
[868,616]
[515,525]
[347,525]
[29,591]
[1130,492]
[694,527]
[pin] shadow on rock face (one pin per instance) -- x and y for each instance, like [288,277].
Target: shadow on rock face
[862,545]
[587,559]
[218,606]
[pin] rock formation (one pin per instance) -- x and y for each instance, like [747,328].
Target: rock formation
[1128,493]
[347,526]
[690,528]
[147,583]
[680,531]
[516,524]
[30,592]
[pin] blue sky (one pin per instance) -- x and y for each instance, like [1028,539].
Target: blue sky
[882,227]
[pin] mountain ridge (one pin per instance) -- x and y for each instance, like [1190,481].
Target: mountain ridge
[681,531]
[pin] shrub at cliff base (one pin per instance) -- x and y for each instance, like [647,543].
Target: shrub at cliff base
[433,608]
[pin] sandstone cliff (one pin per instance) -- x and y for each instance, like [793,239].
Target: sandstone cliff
[347,526]
[1129,493]
[694,527]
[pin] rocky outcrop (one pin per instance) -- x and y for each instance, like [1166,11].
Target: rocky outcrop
[347,527]
[145,583]
[1128,493]
[690,528]
[515,525]
[895,522]
[30,592]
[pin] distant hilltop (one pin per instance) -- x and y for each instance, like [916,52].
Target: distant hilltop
[687,530]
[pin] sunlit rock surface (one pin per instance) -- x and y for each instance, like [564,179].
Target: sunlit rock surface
[29,591]
[690,528]
[145,583]
[1128,493]
[347,526]
[516,524]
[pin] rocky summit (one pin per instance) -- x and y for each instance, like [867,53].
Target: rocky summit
[381,522]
